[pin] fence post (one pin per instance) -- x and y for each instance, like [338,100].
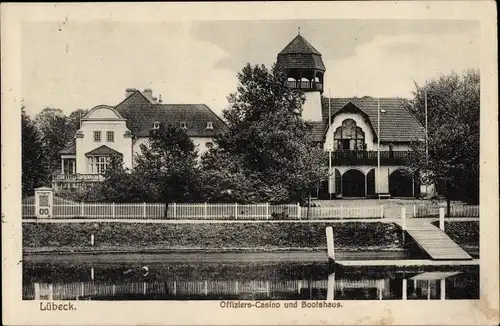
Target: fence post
[113,210]
[403,217]
[82,208]
[381,211]
[414,210]
[236,211]
[298,211]
[267,211]
[205,211]
[91,239]
[144,210]
[174,213]
[441,218]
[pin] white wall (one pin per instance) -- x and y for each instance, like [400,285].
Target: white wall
[311,110]
[110,122]
[360,122]
[201,143]
[371,144]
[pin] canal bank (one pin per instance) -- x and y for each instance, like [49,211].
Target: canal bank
[382,237]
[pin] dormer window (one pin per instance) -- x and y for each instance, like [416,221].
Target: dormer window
[183,125]
[210,125]
[156,125]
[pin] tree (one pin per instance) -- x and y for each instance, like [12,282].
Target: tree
[33,171]
[453,135]
[56,132]
[168,165]
[268,153]
[120,185]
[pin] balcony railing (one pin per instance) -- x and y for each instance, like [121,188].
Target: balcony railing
[306,85]
[348,157]
[78,178]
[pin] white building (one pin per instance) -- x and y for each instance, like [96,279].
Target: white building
[368,160]
[123,128]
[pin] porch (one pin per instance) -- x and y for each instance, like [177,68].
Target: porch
[74,180]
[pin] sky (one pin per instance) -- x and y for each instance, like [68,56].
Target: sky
[71,65]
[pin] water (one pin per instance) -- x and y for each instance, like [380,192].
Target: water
[242,281]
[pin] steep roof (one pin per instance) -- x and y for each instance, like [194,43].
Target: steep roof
[141,115]
[300,54]
[318,130]
[299,45]
[397,124]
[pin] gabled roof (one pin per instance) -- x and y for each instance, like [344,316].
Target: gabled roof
[69,150]
[397,124]
[300,54]
[102,151]
[141,115]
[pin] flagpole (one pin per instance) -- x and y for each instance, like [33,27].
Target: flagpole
[426,140]
[378,146]
[331,146]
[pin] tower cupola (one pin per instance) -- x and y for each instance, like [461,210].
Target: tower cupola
[305,71]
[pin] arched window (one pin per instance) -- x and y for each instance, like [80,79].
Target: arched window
[349,136]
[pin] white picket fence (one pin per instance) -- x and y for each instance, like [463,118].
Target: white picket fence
[206,211]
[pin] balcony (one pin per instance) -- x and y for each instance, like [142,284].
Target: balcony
[348,157]
[78,178]
[306,85]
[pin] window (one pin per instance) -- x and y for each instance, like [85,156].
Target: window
[183,125]
[97,136]
[110,135]
[98,164]
[210,125]
[349,136]
[156,125]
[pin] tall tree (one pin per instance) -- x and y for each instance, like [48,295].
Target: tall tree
[453,134]
[56,133]
[33,171]
[267,140]
[168,165]
[57,130]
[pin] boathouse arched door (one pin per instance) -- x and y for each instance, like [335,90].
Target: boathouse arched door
[353,184]
[370,183]
[400,184]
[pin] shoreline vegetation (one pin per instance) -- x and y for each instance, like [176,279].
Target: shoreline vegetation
[46,238]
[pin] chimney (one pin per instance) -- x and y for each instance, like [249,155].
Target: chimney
[155,100]
[129,91]
[148,93]
[159,99]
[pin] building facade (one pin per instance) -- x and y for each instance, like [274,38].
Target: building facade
[367,139]
[122,129]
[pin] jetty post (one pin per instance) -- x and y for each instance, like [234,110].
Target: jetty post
[441,218]
[330,244]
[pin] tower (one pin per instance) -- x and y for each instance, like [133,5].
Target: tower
[305,70]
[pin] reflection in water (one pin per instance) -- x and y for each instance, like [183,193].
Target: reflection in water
[249,282]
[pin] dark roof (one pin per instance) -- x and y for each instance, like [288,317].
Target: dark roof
[69,150]
[141,115]
[318,130]
[102,151]
[397,124]
[299,45]
[300,54]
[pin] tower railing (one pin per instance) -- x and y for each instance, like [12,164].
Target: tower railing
[305,85]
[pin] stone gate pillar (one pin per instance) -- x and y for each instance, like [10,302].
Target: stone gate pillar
[44,200]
